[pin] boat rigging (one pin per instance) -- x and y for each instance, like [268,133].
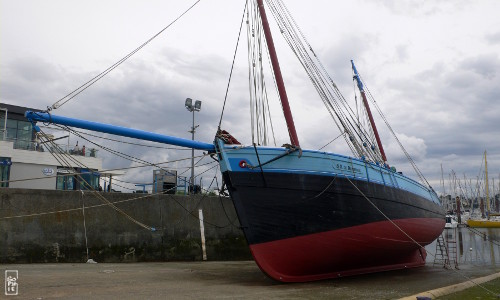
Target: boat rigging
[299,210]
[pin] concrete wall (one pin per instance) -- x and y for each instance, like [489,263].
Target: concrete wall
[48,226]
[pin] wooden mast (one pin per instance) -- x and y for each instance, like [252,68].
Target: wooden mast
[368,111]
[279,79]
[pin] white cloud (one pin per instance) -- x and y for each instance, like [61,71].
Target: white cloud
[413,145]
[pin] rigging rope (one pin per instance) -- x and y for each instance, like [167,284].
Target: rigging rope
[67,160]
[120,169]
[407,235]
[129,157]
[331,141]
[130,143]
[335,103]
[63,159]
[232,67]
[105,170]
[410,159]
[363,121]
[358,138]
[89,83]
[231,223]
[259,100]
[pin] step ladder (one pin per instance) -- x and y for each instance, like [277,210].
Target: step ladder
[446,253]
[441,255]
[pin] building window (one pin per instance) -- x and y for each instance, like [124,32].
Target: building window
[21,132]
[65,179]
[5,164]
[90,180]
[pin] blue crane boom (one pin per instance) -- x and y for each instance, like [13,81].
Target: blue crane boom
[117,130]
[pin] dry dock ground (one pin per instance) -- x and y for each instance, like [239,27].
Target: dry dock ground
[219,280]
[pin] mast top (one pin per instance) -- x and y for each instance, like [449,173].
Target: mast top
[356,76]
[368,111]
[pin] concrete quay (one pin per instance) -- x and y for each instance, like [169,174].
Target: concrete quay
[219,280]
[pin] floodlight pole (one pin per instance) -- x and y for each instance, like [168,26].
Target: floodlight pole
[192,157]
[192,107]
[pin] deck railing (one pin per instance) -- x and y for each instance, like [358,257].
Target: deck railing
[35,146]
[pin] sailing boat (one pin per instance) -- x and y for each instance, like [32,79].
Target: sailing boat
[308,214]
[486,222]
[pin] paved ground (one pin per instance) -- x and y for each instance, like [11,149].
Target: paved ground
[218,280]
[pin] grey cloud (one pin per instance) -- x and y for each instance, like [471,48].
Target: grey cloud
[452,109]
[402,53]
[485,65]
[493,38]
[418,8]
[447,110]
[140,95]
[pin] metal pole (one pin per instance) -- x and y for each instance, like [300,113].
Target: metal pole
[192,157]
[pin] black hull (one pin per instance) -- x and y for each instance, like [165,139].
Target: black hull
[275,206]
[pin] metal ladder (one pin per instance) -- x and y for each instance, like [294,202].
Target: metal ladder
[441,257]
[446,253]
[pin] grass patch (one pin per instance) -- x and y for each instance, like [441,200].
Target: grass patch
[477,292]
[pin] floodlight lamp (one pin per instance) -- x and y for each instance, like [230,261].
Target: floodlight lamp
[189,104]
[197,105]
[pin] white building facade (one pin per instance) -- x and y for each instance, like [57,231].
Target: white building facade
[26,162]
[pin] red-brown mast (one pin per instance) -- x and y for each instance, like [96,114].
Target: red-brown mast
[368,111]
[279,79]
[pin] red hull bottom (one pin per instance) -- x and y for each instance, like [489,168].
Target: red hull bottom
[368,248]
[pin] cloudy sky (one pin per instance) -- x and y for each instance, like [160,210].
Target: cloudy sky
[431,66]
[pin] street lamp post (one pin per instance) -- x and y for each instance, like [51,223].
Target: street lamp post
[192,107]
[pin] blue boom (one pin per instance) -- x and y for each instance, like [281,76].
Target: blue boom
[118,130]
